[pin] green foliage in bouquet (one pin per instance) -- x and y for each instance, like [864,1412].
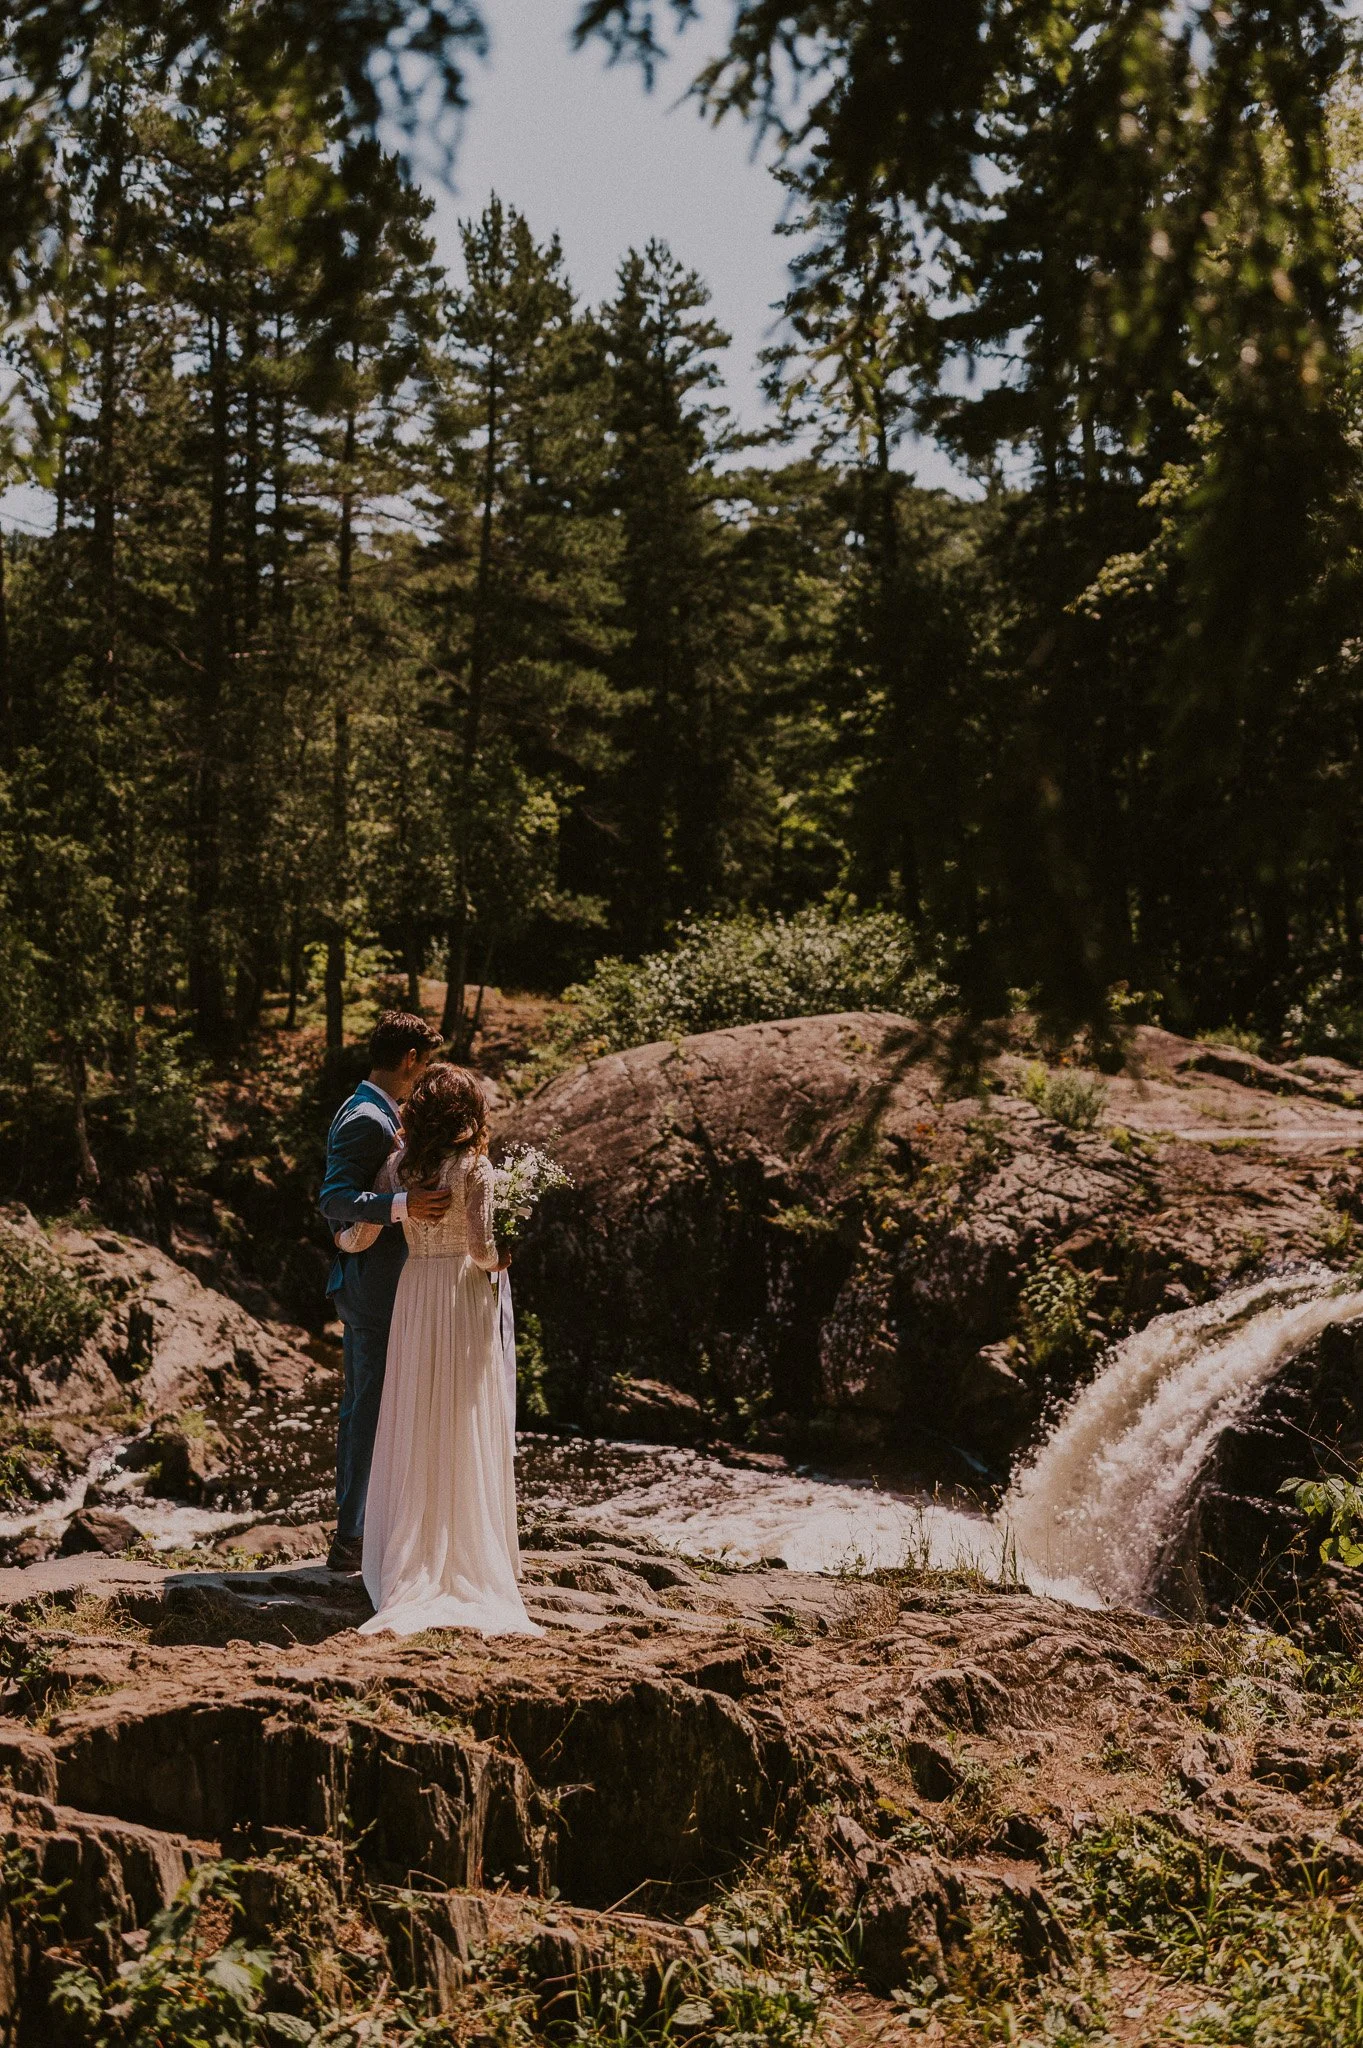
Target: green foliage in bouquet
[524,1177]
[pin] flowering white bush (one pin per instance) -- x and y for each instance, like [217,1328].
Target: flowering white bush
[744,970]
[524,1177]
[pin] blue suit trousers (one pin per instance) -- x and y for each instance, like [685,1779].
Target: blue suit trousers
[366,1353]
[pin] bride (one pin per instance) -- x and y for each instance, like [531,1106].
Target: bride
[440,1546]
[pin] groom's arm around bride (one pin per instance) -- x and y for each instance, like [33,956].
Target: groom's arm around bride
[363,1284]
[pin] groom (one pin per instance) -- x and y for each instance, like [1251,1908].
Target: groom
[363,1285]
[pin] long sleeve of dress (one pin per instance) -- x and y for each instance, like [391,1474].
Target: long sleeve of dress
[357,1237]
[478,1214]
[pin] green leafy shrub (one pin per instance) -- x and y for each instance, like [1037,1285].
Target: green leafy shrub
[1159,1894]
[175,1996]
[743,970]
[770,1962]
[1271,1970]
[26,1449]
[47,1313]
[160,1130]
[1337,1236]
[1071,1097]
[1250,1253]
[1334,1511]
[1054,1315]
[1233,1035]
[165,1126]
[532,1371]
[1327,1018]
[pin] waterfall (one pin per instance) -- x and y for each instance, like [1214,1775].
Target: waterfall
[1087,1518]
[1094,1508]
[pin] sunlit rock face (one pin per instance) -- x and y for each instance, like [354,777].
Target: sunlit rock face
[917,1752]
[812,1231]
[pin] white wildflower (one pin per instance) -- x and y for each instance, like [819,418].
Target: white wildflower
[524,1177]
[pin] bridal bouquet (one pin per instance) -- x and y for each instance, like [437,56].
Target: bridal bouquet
[519,1183]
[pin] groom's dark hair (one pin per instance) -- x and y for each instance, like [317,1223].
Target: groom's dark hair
[398,1033]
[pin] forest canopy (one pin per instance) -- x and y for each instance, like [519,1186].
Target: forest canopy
[457,627]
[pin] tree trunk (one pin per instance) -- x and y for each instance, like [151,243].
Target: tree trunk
[129,967]
[334,986]
[111,229]
[9,738]
[1353,938]
[295,968]
[59,484]
[453,1023]
[207,986]
[485,971]
[340,758]
[88,1170]
[279,441]
[249,998]
[251,475]
[411,960]
[895,662]
[105,508]
[453,1020]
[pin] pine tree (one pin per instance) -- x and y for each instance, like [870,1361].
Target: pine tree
[522,581]
[666,436]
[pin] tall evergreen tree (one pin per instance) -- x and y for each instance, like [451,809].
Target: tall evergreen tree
[666,436]
[522,575]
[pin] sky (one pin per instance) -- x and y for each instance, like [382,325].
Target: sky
[582,149]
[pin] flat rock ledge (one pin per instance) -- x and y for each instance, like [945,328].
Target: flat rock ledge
[929,1747]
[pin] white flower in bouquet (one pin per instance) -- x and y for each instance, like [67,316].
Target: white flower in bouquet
[524,1177]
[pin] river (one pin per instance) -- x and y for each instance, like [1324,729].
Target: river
[1085,1519]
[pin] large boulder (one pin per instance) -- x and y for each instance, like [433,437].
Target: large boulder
[815,1233]
[160,1334]
[1244,1547]
[95,1529]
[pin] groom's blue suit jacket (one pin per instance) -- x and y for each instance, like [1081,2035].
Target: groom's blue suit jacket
[362,1284]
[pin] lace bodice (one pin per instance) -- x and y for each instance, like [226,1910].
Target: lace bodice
[466,1228]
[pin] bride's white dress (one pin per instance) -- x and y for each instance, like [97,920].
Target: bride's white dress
[440,1546]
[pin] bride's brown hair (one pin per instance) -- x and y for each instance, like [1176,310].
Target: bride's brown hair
[444,1113]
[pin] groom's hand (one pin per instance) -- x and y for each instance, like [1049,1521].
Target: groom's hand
[427,1205]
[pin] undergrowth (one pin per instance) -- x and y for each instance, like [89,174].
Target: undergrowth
[768,1965]
[1270,1970]
[183,1992]
[723,971]
[1240,1680]
[85,1617]
[1068,1095]
[1240,1966]
[1055,1318]
[30,1459]
[47,1313]
[1213,1955]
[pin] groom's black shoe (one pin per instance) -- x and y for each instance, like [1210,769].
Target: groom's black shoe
[345,1557]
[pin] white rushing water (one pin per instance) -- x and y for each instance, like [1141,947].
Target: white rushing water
[165,1524]
[1086,1518]
[697,1505]
[1093,1509]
